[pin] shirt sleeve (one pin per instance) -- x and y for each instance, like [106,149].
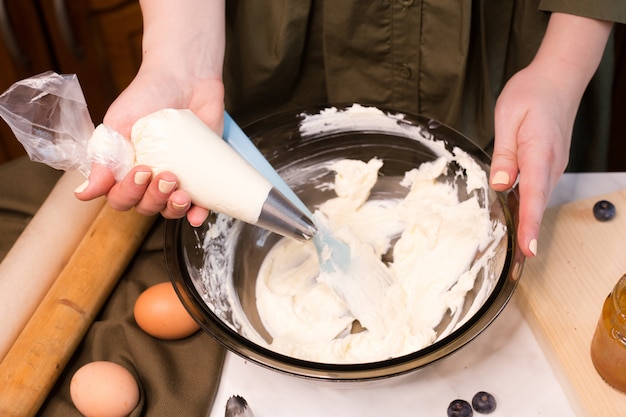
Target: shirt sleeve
[609,10]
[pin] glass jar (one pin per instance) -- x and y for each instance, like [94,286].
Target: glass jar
[608,347]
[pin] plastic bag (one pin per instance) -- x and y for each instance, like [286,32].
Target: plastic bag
[49,116]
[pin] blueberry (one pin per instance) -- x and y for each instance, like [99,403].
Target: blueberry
[604,210]
[483,402]
[460,408]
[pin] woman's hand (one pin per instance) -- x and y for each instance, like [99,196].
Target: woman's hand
[183,51]
[535,114]
[533,129]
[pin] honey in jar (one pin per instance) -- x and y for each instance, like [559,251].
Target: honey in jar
[608,347]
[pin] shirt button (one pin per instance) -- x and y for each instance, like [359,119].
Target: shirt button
[406,3]
[405,72]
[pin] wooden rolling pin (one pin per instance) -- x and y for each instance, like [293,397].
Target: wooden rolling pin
[38,256]
[38,356]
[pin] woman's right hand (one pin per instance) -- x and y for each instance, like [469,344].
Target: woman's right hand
[183,50]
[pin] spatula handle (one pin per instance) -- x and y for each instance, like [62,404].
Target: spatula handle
[241,143]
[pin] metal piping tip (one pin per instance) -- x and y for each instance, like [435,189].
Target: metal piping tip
[237,406]
[281,216]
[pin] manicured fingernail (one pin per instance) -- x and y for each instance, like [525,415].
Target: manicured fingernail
[178,206]
[166,186]
[532,246]
[81,187]
[500,177]
[142,177]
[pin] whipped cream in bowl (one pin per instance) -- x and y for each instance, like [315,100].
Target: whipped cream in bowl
[410,190]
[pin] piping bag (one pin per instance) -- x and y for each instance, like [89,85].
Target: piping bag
[48,116]
[64,138]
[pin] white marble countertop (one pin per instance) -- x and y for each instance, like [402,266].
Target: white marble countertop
[505,360]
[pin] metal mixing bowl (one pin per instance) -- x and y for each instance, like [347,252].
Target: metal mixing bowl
[219,300]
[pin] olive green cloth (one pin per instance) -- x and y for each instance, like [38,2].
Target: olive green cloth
[446,59]
[176,378]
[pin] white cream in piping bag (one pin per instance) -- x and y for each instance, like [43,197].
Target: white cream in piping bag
[435,264]
[207,187]
[178,141]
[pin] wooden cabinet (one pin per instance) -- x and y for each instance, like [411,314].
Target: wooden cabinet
[617,145]
[99,40]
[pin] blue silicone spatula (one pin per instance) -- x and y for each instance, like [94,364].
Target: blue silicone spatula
[361,280]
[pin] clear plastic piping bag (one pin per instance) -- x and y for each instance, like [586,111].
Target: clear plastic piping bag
[49,117]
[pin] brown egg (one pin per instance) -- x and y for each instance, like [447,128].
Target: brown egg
[104,389]
[160,313]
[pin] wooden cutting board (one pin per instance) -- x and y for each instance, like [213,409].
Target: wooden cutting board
[562,290]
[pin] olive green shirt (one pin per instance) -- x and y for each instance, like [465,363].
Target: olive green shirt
[446,59]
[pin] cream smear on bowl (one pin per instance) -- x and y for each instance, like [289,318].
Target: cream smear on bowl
[444,245]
